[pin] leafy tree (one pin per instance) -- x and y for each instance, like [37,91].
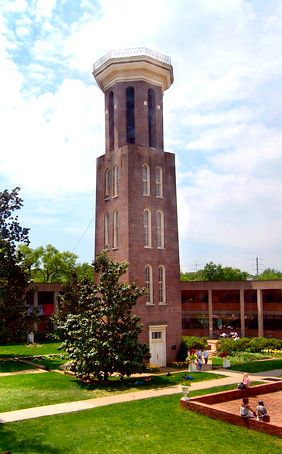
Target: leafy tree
[13,279]
[101,334]
[213,272]
[47,264]
[269,274]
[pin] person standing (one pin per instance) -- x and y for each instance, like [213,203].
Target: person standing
[206,356]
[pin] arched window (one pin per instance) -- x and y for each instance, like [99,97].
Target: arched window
[130,115]
[149,284]
[146,179]
[159,182]
[111,121]
[106,230]
[160,229]
[115,227]
[147,228]
[162,286]
[116,181]
[152,117]
[107,184]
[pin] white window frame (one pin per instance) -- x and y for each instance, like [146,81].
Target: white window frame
[107,188]
[149,284]
[146,179]
[147,221]
[162,284]
[115,180]
[160,229]
[106,230]
[115,229]
[159,182]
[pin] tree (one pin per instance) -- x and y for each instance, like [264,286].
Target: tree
[13,279]
[101,335]
[213,272]
[47,264]
[269,274]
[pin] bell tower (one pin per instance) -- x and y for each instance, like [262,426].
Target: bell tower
[136,210]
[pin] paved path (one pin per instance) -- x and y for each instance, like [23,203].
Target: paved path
[231,377]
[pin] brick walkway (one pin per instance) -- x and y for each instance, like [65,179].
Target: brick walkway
[272,401]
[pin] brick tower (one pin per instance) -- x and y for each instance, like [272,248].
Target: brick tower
[136,211]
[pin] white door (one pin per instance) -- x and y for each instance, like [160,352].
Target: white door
[158,345]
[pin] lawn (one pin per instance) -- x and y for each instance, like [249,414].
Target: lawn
[258,366]
[155,425]
[29,349]
[32,390]
[13,366]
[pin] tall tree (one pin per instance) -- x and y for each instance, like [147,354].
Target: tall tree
[48,264]
[213,272]
[101,334]
[269,274]
[13,279]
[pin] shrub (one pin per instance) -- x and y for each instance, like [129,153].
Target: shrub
[231,346]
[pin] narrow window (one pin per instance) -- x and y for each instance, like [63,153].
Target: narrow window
[130,115]
[146,179]
[152,118]
[149,284]
[162,288]
[107,184]
[111,120]
[159,182]
[106,230]
[115,226]
[160,229]
[116,181]
[147,228]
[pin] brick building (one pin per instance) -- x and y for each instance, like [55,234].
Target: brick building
[136,211]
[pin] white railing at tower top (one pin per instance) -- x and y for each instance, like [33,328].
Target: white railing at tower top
[134,52]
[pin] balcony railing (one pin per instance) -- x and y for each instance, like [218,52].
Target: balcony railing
[134,52]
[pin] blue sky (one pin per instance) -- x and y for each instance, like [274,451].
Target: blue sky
[222,118]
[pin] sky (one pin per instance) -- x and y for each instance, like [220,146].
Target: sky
[222,119]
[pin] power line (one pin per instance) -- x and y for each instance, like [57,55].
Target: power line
[83,234]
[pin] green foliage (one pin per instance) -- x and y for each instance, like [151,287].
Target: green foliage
[13,279]
[100,334]
[47,264]
[191,343]
[269,274]
[254,345]
[213,272]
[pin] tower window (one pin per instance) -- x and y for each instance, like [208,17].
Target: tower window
[147,228]
[146,179]
[149,284]
[107,187]
[130,115]
[159,182]
[106,230]
[115,226]
[162,286]
[152,118]
[160,229]
[111,120]
[116,181]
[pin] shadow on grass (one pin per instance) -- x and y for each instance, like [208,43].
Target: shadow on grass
[146,382]
[13,442]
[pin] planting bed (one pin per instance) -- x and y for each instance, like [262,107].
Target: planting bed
[225,406]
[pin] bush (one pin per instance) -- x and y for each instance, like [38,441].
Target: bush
[191,343]
[258,344]
[253,345]
[231,346]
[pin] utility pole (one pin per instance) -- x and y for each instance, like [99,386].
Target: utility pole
[257,265]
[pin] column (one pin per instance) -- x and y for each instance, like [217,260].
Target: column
[35,307]
[260,312]
[242,312]
[210,313]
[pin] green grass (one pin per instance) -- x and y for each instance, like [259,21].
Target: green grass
[13,366]
[50,363]
[258,366]
[29,349]
[156,425]
[32,390]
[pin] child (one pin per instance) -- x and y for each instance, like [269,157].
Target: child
[262,412]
